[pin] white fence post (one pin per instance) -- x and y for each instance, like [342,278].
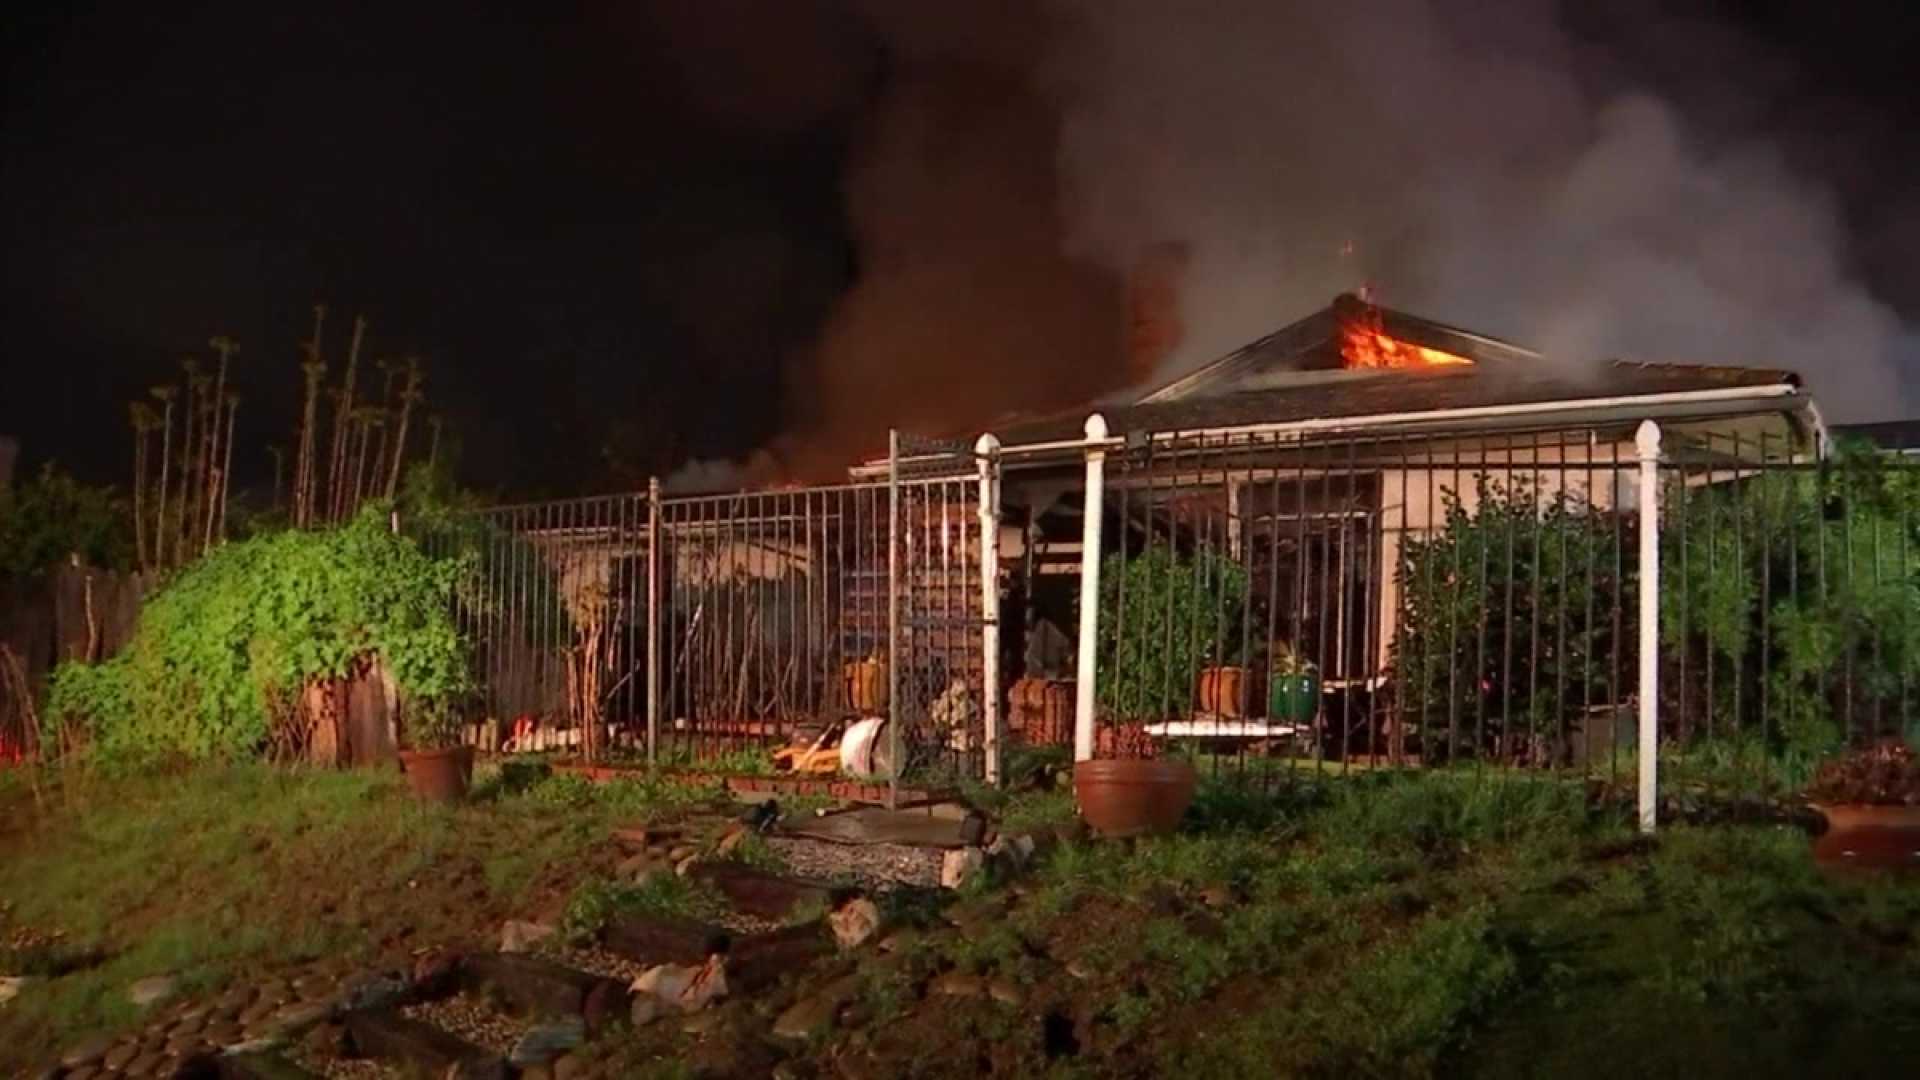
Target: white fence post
[1087,671]
[987,455]
[1647,441]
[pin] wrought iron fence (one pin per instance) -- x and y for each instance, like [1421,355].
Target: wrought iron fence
[1369,601]
[694,626]
[1426,600]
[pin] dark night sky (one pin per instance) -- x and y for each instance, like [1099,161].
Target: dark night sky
[561,207]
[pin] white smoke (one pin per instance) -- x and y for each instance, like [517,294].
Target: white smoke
[1475,174]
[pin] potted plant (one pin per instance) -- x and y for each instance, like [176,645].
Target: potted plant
[1136,791]
[1223,688]
[1293,686]
[438,766]
[1870,798]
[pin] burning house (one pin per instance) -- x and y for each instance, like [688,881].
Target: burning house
[1279,540]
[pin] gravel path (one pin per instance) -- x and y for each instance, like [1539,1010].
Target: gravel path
[871,865]
[470,1018]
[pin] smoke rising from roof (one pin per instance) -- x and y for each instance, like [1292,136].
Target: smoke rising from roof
[1021,162]
[1495,175]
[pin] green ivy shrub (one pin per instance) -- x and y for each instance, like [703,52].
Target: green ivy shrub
[1513,614]
[1164,616]
[221,653]
[1802,589]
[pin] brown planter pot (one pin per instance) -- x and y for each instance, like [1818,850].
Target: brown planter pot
[1221,690]
[1869,837]
[867,687]
[438,775]
[1120,797]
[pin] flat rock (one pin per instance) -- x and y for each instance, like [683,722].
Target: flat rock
[260,1066]
[372,990]
[295,1018]
[702,1022]
[814,1014]
[545,1042]
[568,1067]
[152,990]
[519,935]
[1006,991]
[117,1058]
[222,1032]
[314,987]
[957,984]
[87,1052]
[147,1064]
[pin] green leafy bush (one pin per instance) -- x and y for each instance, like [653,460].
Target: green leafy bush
[222,652]
[53,516]
[1512,620]
[1164,616]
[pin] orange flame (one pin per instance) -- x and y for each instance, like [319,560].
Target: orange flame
[1365,343]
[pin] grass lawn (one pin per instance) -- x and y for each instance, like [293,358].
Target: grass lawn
[219,873]
[1432,924]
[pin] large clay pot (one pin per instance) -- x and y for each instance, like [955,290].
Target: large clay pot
[1869,837]
[1222,689]
[1124,797]
[440,775]
[867,690]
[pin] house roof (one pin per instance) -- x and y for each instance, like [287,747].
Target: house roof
[1901,435]
[1359,395]
[1314,343]
[1295,376]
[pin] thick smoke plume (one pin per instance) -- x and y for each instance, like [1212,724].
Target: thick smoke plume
[1025,168]
[1490,173]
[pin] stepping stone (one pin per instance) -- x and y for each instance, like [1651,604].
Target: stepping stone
[654,940]
[413,1044]
[260,1066]
[758,893]
[812,1015]
[759,960]
[533,984]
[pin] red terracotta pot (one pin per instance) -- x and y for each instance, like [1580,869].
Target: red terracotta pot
[1868,837]
[439,775]
[1124,797]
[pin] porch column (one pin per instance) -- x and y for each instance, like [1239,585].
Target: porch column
[1647,442]
[1087,671]
[987,456]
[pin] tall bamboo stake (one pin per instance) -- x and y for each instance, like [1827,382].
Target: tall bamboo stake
[409,394]
[226,466]
[190,407]
[433,444]
[142,419]
[342,419]
[165,395]
[279,463]
[215,482]
[305,467]
[314,367]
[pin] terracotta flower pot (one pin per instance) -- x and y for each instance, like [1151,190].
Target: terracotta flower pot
[1124,797]
[1869,837]
[1221,690]
[440,775]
